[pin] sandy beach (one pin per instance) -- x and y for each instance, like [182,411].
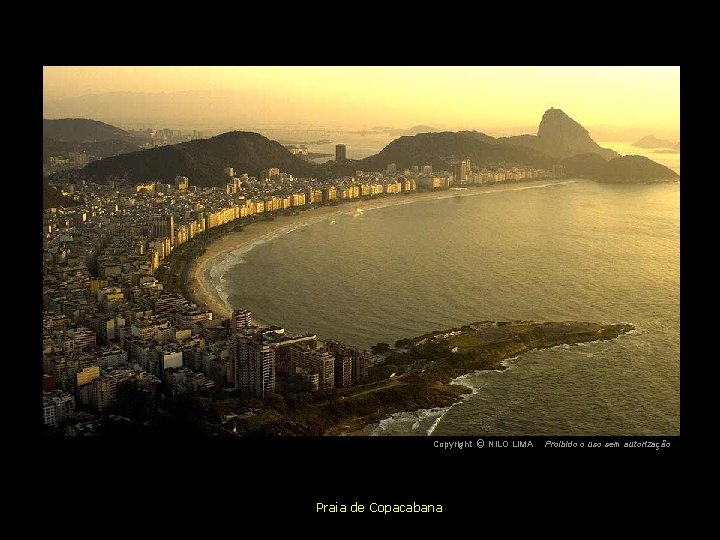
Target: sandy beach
[201,288]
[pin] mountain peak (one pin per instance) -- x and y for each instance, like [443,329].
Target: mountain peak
[556,124]
[561,136]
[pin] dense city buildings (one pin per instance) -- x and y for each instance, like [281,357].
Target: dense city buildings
[118,337]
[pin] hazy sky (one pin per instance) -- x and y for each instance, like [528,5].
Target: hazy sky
[392,96]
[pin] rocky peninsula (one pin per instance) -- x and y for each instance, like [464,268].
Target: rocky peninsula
[418,373]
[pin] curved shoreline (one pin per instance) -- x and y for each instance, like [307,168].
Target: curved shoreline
[199,285]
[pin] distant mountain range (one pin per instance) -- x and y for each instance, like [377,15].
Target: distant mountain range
[82,130]
[65,135]
[395,132]
[559,140]
[652,142]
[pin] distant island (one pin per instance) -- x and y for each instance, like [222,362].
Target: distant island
[559,141]
[650,142]
[307,143]
[395,132]
[417,374]
[317,155]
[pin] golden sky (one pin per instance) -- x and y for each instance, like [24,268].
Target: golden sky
[393,96]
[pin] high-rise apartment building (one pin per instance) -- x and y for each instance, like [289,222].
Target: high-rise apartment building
[343,371]
[57,407]
[241,319]
[163,227]
[269,174]
[78,339]
[329,193]
[254,366]
[340,153]
[324,363]
[461,171]
[182,182]
[358,356]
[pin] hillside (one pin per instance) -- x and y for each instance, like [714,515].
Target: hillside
[634,169]
[623,169]
[441,149]
[101,149]
[82,130]
[202,160]
[52,198]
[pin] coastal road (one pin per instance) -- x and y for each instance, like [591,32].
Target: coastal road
[388,384]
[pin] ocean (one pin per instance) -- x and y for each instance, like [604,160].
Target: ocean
[543,251]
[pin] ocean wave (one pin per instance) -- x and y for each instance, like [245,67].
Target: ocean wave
[226,261]
[506,363]
[396,420]
[636,331]
[412,419]
[553,348]
[463,380]
[434,425]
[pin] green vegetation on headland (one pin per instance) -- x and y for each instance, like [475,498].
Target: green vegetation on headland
[416,376]
[619,170]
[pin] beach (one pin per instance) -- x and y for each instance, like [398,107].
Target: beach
[205,271]
[200,287]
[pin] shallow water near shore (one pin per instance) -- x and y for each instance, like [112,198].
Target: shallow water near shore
[577,250]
